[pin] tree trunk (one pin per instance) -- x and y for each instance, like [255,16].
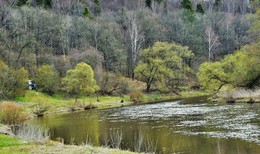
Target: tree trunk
[148,87]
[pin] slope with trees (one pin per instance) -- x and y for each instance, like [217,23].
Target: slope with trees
[115,37]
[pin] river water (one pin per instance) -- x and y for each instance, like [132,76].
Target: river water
[192,126]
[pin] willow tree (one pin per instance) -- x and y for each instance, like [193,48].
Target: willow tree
[241,69]
[80,81]
[162,64]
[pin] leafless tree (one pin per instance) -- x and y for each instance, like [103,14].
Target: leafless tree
[136,40]
[212,41]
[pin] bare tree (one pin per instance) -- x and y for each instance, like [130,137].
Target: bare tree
[5,11]
[136,39]
[212,41]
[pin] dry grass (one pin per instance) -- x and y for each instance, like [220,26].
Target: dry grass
[240,93]
[33,133]
[12,114]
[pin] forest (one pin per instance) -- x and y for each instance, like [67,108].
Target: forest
[122,47]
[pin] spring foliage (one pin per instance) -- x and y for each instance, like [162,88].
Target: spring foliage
[163,63]
[241,69]
[12,82]
[80,80]
[48,79]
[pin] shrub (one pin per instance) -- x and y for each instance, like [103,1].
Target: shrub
[48,79]
[12,114]
[113,84]
[12,81]
[137,97]
[39,109]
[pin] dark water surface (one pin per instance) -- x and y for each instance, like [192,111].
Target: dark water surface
[193,126]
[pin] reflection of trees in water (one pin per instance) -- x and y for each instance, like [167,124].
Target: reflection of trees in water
[165,134]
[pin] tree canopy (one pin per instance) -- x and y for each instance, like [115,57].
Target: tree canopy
[115,37]
[48,79]
[12,82]
[163,63]
[80,80]
[241,69]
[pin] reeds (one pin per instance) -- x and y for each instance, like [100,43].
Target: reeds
[33,133]
[240,93]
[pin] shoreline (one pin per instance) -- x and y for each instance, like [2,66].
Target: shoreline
[238,96]
[31,146]
[98,106]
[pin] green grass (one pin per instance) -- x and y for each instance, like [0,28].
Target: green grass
[10,145]
[153,97]
[187,94]
[6,141]
[58,102]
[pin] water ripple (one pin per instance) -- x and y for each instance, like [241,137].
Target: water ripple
[221,121]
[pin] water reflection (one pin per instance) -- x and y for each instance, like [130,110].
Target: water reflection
[186,126]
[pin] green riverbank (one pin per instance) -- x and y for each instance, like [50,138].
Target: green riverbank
[12,145]
[59,104]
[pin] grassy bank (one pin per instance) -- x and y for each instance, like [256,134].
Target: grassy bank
[59,104]
[10,145]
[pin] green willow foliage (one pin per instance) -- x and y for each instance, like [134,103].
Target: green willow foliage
[241,69]
[162,64]
[80,80]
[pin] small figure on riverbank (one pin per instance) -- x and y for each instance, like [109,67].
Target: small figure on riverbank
[251,101]
[35,87]
[231,100]
[32,85]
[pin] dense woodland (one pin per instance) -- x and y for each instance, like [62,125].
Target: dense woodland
[131,45]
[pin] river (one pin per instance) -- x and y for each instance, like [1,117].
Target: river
[192,126]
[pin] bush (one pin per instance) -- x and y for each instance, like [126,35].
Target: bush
[12,81]
[12,114]
[113,84]
[137,97]
[48,79]
[40,109]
